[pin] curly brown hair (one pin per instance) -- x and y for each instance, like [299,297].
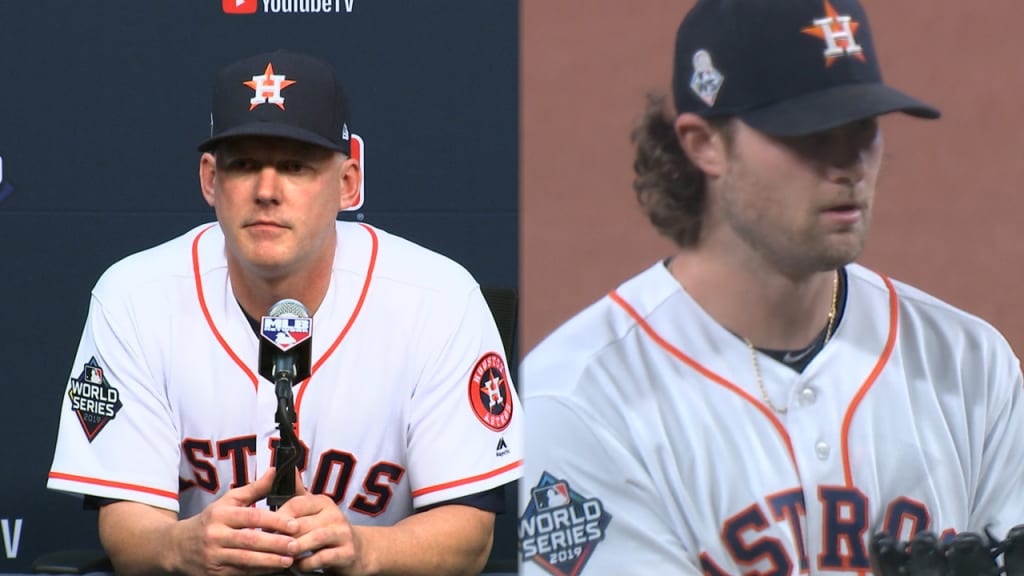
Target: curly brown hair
[670,188]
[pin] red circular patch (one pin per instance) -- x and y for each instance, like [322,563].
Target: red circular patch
[489,392]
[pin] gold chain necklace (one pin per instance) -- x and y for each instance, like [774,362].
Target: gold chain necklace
[828,336]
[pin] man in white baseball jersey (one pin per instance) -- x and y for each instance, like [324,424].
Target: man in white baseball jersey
[757,403]
[168,427]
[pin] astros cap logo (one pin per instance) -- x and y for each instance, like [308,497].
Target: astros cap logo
[268,88]
[838,33]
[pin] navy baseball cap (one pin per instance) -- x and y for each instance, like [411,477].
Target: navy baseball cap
[282,94]
[784,67]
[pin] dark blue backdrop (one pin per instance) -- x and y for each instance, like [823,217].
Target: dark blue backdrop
[101,105]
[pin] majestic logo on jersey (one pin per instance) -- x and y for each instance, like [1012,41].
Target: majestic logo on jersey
[502,449]
[560,528]
[286,332]
[838,33]
[93,399]
[268,88]
[489,392]
[706,80]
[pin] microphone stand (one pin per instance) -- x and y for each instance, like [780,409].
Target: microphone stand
[285,366]
[286,458]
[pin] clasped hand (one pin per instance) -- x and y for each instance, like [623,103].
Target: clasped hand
[232,536]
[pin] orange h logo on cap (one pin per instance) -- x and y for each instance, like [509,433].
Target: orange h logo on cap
[268,88]
[838,33]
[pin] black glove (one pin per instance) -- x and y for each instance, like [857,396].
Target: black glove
[967,554]
[1013,551]
[888,555]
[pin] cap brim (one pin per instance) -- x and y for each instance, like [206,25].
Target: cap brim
[274,130]
[834,107]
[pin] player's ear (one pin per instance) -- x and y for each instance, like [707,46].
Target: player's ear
[207,175]
[703,144]
[351,182]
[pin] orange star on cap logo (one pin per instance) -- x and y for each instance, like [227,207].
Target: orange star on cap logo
[268,88]
[838,33]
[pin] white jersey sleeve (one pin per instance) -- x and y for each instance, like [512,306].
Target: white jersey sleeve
[998,475]
[111,372]
[578,470]
[465,399]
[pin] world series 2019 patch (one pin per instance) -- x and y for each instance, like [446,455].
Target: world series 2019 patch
[489,392]
[93,399]
[560,528]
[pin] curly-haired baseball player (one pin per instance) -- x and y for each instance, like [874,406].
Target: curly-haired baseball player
[758,403]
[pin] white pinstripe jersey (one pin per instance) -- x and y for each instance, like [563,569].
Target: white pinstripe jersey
[164,405]
[649,450]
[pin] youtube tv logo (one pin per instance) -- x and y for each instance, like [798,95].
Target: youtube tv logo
[287,6]
[239,6]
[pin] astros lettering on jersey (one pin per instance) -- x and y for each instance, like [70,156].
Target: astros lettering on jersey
[168,409]
[650,451]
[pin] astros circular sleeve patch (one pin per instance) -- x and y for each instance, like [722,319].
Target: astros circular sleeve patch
[489,393]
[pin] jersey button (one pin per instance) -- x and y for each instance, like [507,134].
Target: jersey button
[822,449]
[808,396]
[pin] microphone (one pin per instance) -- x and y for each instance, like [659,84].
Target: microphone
[286,341]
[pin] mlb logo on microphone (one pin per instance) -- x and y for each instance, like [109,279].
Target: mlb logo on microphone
[550,497]
[286,332]
[239,6]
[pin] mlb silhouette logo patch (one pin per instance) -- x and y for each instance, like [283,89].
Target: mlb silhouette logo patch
[93,399]
[551,497]
[560,528]
[239,6]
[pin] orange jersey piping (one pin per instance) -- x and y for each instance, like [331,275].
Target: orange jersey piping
[206,310]
[227,348]
[465,481]
[111,484]
[351,320]
[706,372]
[890,343]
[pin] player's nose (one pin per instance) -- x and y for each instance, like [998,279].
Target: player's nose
[847,150]
[849,169]
[267,184]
